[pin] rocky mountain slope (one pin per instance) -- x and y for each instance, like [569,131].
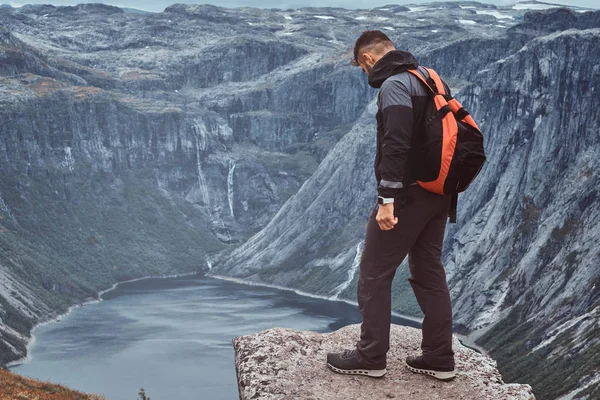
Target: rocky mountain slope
[137,144]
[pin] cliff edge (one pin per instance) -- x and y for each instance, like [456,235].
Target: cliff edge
[287,364]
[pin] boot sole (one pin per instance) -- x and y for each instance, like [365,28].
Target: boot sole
[373,373]
[441,375]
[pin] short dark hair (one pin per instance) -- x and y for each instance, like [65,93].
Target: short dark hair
[368,38]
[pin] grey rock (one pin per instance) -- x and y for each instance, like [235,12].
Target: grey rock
[287,364]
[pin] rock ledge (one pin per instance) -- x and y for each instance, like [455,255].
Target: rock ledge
[286,364]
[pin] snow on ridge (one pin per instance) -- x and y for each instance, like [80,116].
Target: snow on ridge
[376,18]
[288,17]
[530,5]
[418,8]
[494,13]
[389,28]
[467,21]
[538,5]
[323,16]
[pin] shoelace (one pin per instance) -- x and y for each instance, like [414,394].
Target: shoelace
[349,353]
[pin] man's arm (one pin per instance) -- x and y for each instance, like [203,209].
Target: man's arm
[396,105]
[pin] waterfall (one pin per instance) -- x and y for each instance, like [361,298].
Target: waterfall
[201,180]
[351,272]
[230,186]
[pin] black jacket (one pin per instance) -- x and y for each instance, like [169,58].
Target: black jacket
[401,104]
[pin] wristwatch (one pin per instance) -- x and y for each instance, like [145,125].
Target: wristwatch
[384,200]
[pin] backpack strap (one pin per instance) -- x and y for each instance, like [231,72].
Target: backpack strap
[426,79]
[438,81]
[432,80]
[453,208]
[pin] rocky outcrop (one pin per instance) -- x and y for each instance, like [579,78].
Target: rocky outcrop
[287,364]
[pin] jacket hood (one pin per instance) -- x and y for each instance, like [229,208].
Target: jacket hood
[391,63]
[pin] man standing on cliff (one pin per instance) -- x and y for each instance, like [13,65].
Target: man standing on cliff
[407,220]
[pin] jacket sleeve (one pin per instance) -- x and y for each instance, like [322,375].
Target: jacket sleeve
[396,106]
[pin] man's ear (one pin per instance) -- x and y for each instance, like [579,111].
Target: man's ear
[367,57]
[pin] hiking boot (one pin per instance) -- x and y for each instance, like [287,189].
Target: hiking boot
[418,365]
[347,363]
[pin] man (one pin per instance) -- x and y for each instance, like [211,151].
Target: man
[408,220]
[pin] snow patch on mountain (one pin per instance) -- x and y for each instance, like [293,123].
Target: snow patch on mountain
[494,13]
[534,5]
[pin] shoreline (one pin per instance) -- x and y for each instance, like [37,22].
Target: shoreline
[306,294]
[464,339]
[30,342]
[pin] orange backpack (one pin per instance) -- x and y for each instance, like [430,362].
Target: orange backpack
[449,153]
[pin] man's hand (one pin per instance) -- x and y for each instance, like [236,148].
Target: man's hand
[385,217]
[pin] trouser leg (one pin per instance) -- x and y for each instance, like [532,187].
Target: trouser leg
[383,252]
[428,280]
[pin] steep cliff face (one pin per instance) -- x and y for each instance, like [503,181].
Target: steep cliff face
[526,252]
[522,261]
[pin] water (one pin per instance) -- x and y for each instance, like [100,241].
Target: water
[171,337]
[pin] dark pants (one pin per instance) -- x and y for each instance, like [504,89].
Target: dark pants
[422,217]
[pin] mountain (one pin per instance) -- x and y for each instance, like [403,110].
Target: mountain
[242,141]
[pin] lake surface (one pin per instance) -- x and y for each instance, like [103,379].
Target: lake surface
[170,336]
